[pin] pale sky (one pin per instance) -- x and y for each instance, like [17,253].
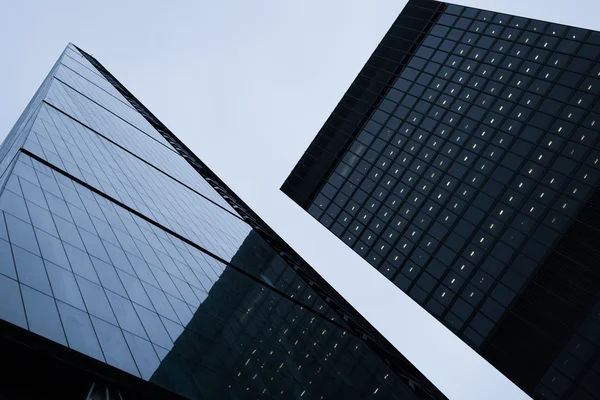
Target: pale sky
[247,85]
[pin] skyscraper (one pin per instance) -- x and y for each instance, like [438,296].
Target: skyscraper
[128,268]
[463,164]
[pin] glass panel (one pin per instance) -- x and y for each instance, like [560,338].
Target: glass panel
[79,331]
[64,286]
[31,270]
[42,315]
[11,305]
[114,346]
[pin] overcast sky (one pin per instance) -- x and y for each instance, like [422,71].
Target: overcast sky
[247,85]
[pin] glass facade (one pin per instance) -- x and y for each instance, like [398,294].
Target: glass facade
[463,164]
[114,247]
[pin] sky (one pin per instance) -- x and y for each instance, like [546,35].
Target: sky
[247,85]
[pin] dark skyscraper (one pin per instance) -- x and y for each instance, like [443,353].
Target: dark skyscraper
[463,164]
[127,264]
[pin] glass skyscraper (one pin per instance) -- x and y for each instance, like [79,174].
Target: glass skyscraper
[463,164]
[129,269]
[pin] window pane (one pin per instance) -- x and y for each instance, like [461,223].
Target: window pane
[79,331]
[42,315]
[114,346]
[11,305]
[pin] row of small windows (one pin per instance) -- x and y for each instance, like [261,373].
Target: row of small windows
[481,280]
[517,58]
[481,29]
[457,16]
[412,234]
[475,84]
[534,171]
[477,46]
[464,193]
[404,159]
[577,149]
[545,193]
[519,82]
[511,125]
[499,210]
[486,93]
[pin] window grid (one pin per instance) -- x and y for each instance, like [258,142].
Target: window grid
[494,120]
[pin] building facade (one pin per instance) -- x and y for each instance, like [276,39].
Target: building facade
[463,164]
[130,270]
